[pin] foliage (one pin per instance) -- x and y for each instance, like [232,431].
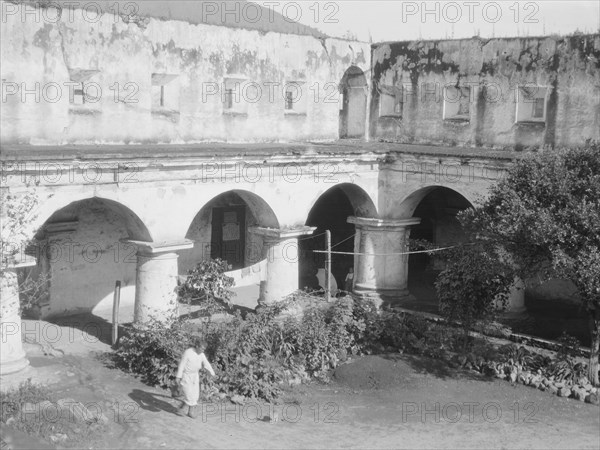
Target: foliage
[26,392]
[16,219]
[152,350]
[16,212]
[208,285]
[257,355]
[473,287]
[544,216]
[36,421]
[253,356]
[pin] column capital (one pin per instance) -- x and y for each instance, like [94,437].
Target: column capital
[26,261]
[369,223]
[279,234]
[155,248]
[60,227]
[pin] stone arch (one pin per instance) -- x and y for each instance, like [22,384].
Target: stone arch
[82,248]
[360,200]
[408,205]
[135,225]
[224,214]
[330,211]
[353,115]
[437,207]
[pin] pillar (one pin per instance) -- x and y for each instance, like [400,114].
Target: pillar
[12,355]
[380,268]
[280,248]
[156,279]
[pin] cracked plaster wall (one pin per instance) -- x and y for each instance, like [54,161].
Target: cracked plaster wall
[36,51]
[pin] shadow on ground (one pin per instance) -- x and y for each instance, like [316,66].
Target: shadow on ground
[152,402]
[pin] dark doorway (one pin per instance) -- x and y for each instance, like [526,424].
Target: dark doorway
[330,212]
[229,235]
[353,114]
[439,225]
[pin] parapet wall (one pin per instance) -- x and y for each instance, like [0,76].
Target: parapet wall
[416,97]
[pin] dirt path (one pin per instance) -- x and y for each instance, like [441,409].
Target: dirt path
[375,402]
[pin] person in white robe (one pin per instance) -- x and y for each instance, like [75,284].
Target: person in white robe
[192,361]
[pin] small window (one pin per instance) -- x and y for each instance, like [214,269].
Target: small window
[457,103]
[228,99]
[165,93]
[86,91]
[78,95]
[539,104]
[289,100]
[531,104]
[390,101]
[295,97]
[232,97]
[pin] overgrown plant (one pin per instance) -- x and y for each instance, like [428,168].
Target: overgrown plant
[17,213]
[17,411]
[473,288]
[208,286]
[545,215]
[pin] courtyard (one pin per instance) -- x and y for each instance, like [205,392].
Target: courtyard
[384,235]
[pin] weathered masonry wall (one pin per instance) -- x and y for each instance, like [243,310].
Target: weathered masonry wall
[92,207]
[123,67]
[417,88]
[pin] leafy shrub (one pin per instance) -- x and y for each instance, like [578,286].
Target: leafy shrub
[46,426]
[569,347]
[208,286]
[256,355]
[26,392]
[152,350]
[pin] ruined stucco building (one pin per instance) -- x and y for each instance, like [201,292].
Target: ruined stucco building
[166,137]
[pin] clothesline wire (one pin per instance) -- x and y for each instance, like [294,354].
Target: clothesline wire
[391,254]
[335,245]
[311,237]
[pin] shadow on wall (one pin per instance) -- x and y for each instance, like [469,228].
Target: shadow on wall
[221,229]
[81,249]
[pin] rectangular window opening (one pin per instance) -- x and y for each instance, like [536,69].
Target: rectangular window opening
[390,101]
[531,104]
[457,103]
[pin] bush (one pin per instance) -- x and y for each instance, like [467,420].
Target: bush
[256,355]
[253,356]
[153,350]
[27,392]
[35,421]
[208,286]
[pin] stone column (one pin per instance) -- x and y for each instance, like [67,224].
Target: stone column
[12,355]
[379,267]
[156,279]
[280,248]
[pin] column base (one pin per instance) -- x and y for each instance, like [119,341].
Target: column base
[8,367]
[385,298]
[515,310]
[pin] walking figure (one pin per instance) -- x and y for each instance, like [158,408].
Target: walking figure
[192,361]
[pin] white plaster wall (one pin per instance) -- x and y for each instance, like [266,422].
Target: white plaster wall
[84,264]
[401,189]
[41,51]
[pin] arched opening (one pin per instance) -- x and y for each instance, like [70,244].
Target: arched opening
[330,212]
[81,251]
[221,229]
[437,208]
[353,114]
